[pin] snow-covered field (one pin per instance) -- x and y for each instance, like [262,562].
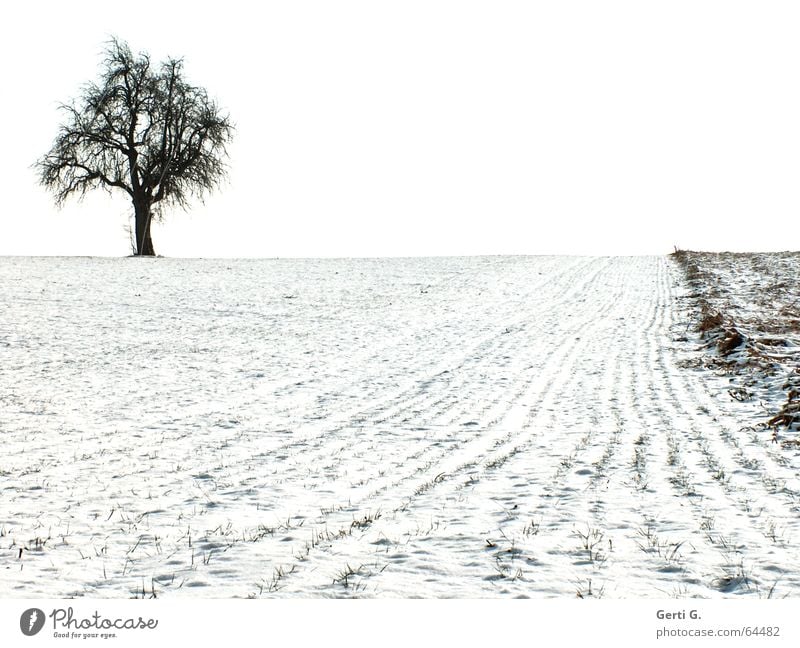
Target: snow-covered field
[454,427]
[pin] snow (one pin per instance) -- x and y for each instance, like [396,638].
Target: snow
[442,427]
[752,308]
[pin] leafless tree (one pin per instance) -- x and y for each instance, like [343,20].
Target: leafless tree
[141,129]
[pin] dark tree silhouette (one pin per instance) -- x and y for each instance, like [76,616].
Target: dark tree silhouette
[141,129]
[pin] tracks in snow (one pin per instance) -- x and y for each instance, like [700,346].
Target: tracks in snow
[611,459]
[525,431]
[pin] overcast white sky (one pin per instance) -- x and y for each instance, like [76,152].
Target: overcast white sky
[433,127]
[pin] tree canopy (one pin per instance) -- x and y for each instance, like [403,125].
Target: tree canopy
[141,129]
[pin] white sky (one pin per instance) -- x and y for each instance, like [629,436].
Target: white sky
[429,127]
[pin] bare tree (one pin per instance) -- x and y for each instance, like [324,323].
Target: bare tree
[141,129]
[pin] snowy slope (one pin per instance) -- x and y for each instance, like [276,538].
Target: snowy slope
[454,427]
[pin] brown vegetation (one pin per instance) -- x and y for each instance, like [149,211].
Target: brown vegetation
[747,311]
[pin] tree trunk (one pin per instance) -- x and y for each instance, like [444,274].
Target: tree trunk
[144,244]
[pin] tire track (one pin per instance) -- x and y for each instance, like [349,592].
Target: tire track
[511,445]
[539,439]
